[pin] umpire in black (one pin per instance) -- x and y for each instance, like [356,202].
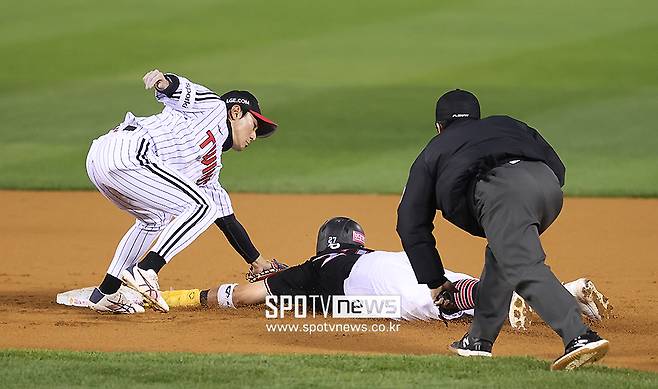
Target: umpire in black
[496,178]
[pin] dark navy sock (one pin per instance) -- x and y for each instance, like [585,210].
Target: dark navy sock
[152,261]
[110,284]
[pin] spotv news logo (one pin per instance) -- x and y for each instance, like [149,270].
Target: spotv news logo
[342,307]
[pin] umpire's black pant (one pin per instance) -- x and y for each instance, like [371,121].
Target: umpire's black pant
[515,203]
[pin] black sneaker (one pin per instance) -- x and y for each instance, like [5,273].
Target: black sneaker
[587,348]
[466,347]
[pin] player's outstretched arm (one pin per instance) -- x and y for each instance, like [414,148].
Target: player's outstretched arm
[260,266]
[181,94]
[223,296]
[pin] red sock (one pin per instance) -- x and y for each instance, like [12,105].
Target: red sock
[465,298]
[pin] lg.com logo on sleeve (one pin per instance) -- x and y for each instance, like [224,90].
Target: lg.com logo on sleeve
[342,307]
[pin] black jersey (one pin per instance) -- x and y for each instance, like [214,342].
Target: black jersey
[322,275]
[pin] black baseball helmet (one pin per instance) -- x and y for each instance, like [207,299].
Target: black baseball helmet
[340,232]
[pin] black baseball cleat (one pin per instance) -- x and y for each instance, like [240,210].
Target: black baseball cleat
[587,348]
[466,347]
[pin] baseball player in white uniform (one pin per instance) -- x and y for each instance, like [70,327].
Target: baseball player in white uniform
[343,266]
[164,170]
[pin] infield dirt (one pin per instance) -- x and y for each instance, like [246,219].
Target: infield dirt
[56,241]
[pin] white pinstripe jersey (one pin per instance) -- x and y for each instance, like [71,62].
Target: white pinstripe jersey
[189,132]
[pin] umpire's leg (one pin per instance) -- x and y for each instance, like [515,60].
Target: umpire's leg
[492,301]
[515,205]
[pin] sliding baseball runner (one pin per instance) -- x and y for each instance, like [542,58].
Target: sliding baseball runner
[343,265]
[164,170]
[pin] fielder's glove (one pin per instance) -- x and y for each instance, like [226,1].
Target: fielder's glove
[254,276]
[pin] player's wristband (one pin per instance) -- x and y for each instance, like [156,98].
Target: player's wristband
[174,83]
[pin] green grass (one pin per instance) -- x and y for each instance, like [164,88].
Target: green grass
[353,84]
[127,370]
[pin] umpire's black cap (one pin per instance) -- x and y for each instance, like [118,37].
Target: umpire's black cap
[249,102]
[340,232]
[457,104]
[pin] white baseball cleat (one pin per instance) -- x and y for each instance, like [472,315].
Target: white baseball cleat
[114,303]
[593,304]
[146,283]
[519,313]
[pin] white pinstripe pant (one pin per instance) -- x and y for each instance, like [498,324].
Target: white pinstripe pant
[164,202]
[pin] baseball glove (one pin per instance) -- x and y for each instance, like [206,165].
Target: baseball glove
[254,276]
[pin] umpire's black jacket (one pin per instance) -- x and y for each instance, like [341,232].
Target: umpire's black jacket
[444,175]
